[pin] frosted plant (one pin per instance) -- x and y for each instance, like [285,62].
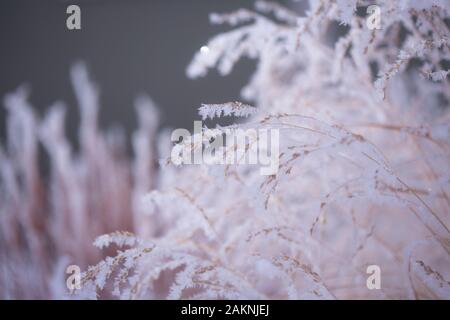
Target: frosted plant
[236,109]
[49,223]
[364,164]
[364,175]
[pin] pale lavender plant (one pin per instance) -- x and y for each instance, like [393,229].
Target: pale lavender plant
[364,176]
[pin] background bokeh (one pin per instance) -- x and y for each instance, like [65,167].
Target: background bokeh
[130,50]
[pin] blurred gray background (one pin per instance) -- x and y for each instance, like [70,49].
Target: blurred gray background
[130,46]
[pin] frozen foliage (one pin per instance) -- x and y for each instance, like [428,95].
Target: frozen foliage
[44,222]
[364,164]
[364,173]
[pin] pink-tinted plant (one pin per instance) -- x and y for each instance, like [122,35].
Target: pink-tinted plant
[363,174]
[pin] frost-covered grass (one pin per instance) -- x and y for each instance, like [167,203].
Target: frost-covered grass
[364,175]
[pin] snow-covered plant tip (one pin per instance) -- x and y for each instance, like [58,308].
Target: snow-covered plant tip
[363,179]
